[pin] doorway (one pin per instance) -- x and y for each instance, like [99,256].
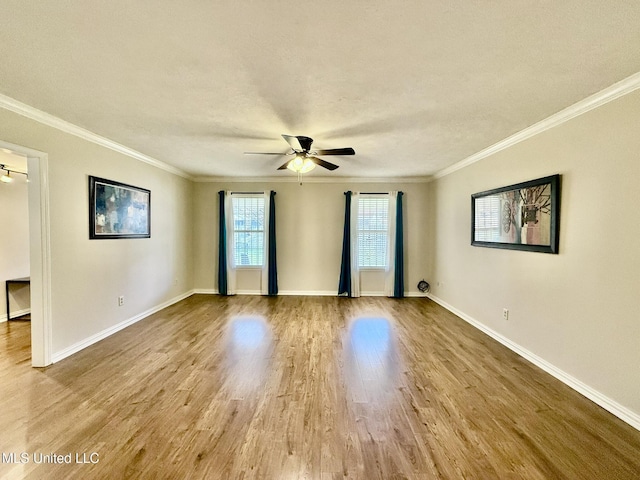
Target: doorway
[39,251]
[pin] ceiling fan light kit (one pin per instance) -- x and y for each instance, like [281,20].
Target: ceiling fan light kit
[301,164]
[305,159]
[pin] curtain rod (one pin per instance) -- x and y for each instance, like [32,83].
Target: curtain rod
[247,193]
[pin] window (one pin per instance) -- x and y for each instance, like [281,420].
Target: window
[373,227]
[248,230]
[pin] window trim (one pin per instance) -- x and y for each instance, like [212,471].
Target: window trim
[239,266]
[382,196]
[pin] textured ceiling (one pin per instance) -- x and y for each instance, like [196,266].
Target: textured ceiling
[412,86]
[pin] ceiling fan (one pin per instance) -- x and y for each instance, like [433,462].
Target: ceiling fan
[305,159]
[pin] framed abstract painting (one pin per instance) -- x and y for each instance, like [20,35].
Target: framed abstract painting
[118,210]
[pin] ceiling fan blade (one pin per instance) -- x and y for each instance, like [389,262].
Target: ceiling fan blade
[284,165]
[299,142]
[293,141]
[305,142]
[336,151]
[323,163]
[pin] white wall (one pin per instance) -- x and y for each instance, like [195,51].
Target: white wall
[14,241]
[309,226]
[577,310]
[88,275]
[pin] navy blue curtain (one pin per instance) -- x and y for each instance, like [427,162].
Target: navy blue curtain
[344,286]
[398,283]
[272,288]
[222,247]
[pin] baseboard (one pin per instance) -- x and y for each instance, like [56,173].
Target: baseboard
[300,293]
[17,313]
[382,294]
[309,293]
[75,348]
[598,398]
[206,291]
[303,293]
[416,295]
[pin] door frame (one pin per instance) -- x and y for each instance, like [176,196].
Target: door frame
[39,252]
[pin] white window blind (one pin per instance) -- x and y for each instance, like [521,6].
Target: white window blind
[487,219]
[372,226]
[248,230]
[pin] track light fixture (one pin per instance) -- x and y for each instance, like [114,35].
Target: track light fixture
[7,178]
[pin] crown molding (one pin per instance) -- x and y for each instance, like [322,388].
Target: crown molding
[592,102]
[305,179]
[28,111]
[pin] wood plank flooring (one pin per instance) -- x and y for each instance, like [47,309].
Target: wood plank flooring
[300,387]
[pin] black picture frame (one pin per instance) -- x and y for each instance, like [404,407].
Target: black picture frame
[118,210]
[524,216]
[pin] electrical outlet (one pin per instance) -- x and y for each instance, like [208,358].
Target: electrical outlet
[505,313]
[121,300]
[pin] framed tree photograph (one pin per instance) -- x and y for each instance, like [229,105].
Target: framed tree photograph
[118,210]
[524,216]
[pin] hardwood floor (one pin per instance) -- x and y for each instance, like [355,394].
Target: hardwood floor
[300,387]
